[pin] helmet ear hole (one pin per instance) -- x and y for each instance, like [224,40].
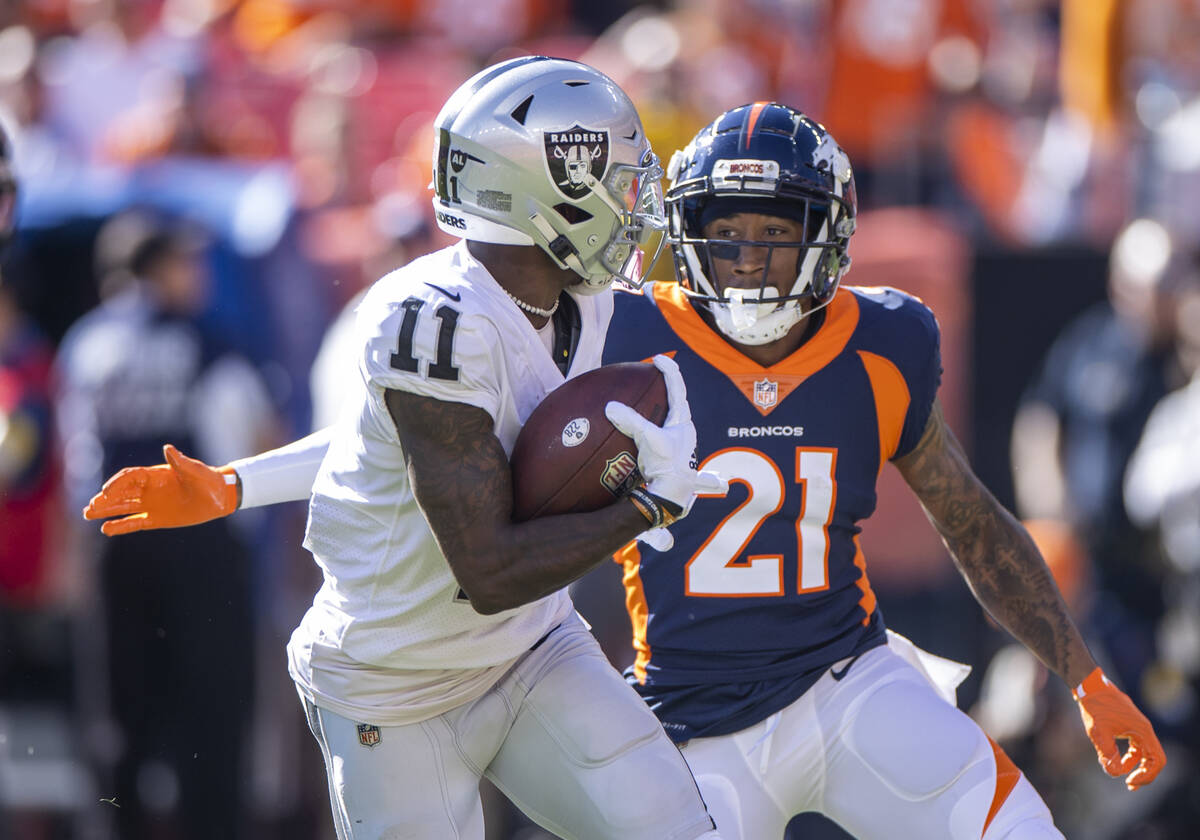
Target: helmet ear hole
[571,214]
[826,274]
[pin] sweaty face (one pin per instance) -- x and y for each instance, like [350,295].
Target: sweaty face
[747,266]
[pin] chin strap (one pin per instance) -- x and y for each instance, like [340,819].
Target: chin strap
[558,245]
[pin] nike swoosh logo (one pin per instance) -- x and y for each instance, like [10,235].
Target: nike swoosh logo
[454,297]
[837,675]
[631,136]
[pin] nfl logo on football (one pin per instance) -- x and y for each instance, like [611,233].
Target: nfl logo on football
[620,471]
[766,393]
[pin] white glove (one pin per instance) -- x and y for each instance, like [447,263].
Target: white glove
[665,452]
[659,539]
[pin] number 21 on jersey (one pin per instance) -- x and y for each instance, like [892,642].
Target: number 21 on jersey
[715,569]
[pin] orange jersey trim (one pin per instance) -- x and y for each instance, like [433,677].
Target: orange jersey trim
[841,319]
[891,401]
[636,605]
[1007,776]
[867,601]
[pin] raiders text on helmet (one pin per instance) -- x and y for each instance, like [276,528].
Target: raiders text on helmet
[549,152]
[770,159]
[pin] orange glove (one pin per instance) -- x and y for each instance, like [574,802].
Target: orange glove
[181,492]
[1108,714]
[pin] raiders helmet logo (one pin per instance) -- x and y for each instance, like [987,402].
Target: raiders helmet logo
[573,155]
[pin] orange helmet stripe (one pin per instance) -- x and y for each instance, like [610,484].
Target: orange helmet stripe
[752,120]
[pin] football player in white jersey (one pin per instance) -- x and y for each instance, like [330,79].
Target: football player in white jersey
[442,646]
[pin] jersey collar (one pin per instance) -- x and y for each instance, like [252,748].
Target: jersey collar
[765,387]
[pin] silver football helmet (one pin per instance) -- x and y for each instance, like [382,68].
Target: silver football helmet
[549,152]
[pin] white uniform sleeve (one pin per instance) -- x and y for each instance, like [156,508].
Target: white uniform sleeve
[431,345]
[285,474]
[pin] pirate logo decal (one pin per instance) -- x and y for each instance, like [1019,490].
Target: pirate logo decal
[573,155]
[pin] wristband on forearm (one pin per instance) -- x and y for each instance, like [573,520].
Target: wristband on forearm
[1092,683]
[658,511]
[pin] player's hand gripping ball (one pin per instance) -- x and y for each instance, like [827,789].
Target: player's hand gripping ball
[569,458]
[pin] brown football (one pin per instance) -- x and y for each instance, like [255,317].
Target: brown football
[568,457]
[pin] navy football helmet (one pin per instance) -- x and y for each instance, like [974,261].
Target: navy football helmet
[770,159]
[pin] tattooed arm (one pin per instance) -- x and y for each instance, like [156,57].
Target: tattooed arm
[994,552]
[460,476]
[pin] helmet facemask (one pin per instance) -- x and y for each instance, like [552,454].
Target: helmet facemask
[764,312]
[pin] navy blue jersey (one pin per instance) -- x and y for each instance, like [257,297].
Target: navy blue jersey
[766,587]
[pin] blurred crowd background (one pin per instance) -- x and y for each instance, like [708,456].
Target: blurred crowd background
[205,185]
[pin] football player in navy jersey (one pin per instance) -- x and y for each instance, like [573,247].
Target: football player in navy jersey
[759,642]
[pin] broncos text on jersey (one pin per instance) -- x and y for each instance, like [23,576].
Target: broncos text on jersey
[766,587]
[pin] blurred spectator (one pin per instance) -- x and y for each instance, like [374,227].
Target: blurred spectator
[29,478]
[1162,493]
[1079,422]
[1162,484]
[35,608]
[113,90]
[137,372]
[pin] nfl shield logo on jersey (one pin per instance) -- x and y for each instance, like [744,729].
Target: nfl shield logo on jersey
[573,155]
[368,734]
[766,393]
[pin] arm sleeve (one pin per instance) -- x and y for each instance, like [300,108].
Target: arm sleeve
[285,474]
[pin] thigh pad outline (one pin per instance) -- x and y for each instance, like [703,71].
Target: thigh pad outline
[912,740]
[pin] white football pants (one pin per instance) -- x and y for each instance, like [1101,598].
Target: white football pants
[880,752]
[561,735]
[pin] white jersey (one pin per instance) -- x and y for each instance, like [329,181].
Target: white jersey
[389,638]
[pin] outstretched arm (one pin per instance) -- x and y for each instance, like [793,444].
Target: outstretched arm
[1008,576]
[184,491]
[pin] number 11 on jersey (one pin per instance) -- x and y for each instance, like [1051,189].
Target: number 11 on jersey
[717,570]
